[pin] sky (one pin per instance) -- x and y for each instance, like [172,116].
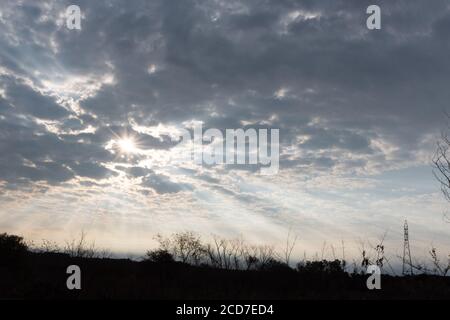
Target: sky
[88,120]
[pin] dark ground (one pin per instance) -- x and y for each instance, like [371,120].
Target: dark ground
[43,276]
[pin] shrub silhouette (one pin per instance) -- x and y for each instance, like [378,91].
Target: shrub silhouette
[12,249]
[185,247]
[275,265]
[160,256]
[79,248]
[322,267]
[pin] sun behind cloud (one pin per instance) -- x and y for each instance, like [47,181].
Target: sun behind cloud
[127,145]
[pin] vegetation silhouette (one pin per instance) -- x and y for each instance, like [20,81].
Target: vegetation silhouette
[184,267]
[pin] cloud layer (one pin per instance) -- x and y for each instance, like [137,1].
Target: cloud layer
[351,104]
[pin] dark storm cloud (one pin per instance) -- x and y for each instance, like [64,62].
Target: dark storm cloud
[222,62]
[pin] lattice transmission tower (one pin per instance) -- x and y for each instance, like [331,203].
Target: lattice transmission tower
[407,262]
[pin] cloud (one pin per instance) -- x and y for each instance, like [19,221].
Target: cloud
[162,184]
[343,86]
[349,102]
[27,101]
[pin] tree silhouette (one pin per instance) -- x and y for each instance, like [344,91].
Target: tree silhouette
[441,163]
[12,249]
